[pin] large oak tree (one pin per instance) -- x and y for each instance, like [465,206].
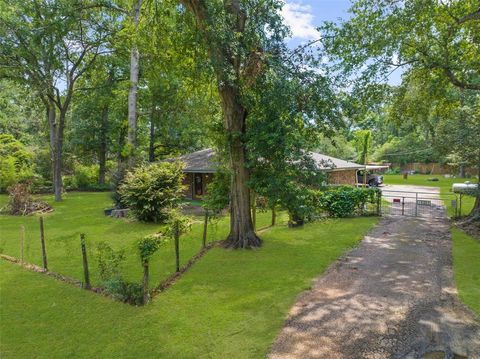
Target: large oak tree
[238,35]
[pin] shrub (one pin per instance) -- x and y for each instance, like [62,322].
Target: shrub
[15,162]
[85,177]
[301,205]
[109,261]
[8,172]
[69,182]
[177,224]
[148,245]
[344,201]
[127,292]
[152,191]
[218,193]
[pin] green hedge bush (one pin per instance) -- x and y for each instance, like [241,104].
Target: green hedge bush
[345,201]
[152,191]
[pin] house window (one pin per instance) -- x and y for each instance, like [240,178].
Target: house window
[198,184]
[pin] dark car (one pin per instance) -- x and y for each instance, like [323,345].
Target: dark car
[373,180]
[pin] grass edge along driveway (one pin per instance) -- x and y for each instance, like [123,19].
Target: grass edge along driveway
[231,304]
[466,257]
[465,249]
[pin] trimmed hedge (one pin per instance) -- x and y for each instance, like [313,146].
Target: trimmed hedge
[346,201]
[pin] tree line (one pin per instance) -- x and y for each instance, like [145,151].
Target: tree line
[115,83]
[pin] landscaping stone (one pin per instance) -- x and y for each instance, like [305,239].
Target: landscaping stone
[119,213]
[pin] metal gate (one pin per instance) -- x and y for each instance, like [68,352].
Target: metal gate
[418,204]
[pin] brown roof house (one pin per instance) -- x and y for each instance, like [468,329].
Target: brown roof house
[201,166]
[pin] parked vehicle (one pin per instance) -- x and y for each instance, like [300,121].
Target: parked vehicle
[373,180]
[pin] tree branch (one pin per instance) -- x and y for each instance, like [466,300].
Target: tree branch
[455,81]
[469,17]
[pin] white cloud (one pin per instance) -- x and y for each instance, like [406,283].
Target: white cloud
[299,18]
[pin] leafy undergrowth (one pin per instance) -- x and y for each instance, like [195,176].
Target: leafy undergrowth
[466,259]
[231,304]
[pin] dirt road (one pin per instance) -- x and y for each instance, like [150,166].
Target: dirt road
[391,297]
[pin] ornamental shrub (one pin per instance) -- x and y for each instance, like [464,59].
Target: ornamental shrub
[127,292]
[152,191]
[344,201]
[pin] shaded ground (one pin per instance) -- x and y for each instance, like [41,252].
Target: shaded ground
[392,297]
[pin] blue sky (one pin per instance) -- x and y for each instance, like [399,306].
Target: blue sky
[304,16]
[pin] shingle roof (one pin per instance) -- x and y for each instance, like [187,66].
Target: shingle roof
[201,161]
[334,164]
[204,162]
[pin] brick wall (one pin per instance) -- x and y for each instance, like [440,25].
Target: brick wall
[348,177]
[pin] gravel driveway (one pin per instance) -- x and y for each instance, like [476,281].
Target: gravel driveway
[391,297]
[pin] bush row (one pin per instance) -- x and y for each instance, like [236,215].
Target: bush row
[346,201]
[338,201]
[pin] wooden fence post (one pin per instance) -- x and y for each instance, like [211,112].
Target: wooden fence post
[176,235]
[146,294]
[22,243]
[86,274]
[44,250]
[205,224]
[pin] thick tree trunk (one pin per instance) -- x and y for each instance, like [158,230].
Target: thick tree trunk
[133,91]
[226,63]
[102,151]
[58,156]
[56,147]
[52,125]
[242,234]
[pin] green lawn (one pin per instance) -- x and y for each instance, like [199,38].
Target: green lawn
[466,257]
[445,185]
[230,304]
[82,212]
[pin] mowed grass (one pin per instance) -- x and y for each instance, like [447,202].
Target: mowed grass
[466,259]
[230,304]
[445,185]
[82,212]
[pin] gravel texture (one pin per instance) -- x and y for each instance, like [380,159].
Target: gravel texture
[391,297]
